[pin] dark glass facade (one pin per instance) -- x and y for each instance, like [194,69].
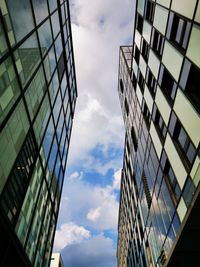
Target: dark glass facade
[159,96]
[37,101]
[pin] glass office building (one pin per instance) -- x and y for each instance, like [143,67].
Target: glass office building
[159,90]
[37,101]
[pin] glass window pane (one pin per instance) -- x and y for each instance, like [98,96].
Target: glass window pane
[59,48]
[9,88]
[40,10]
[42,119]
[27,58]
[45,35]
[11,139]
[20,14]
[52,5]
[35,92]
[55,24]
[3,44]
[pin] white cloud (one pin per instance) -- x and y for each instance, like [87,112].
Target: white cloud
[117,179]
[89,205]
[70,233]
[94,214]
[99,27]
[95,252]
[76,175]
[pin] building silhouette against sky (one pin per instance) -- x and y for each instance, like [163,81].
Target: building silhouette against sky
[37,101]
[159,90]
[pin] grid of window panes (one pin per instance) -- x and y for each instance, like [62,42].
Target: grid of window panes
[37,102]
[160,101]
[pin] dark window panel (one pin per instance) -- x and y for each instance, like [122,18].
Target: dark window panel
[167,84]
[141,82]
[139,23]
[159,123]
[157,42]
[146,114]
[189,82]
[134,138]
[178,31]
[188,191]
[126,107]
[145,50]
[151,82]
[184,145]
[121,86]
[149,12]
[136,54]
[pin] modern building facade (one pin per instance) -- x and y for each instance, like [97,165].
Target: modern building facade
[159,90]
[37,101]
[56,260]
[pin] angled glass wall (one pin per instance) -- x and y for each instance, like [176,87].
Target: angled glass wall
[37,100]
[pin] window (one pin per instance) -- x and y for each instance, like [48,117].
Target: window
[189,82]
[167,84]
[170,179]
[151,82]
[146,190]
[134,81]
[188,191]
[126,107]
[145,50]
[149,11]
[146,114]
[121,86]
[159,123]
[139,23]
[141,82]
[186,149]
[178,30]
[157,42]
[61,66]
[134,138]
[136,54]
[15,189]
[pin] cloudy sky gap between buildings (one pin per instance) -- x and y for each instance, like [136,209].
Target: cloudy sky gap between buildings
[87,224]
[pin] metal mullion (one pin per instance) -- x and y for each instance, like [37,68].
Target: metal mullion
[72,49]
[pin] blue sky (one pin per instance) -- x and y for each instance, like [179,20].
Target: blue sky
[87,224]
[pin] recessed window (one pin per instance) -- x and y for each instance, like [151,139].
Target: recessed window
[185,147]
[167,84]
[188,191]
[151,82]
[149,13]
[178,30]
[159,123]
[146,114]
[170,179]
[134,138]
[136,54]
[157,42]
[145,50]
[139,23]
[190,81]
[134,81]
[121,86]
[126,107]
[141,82]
